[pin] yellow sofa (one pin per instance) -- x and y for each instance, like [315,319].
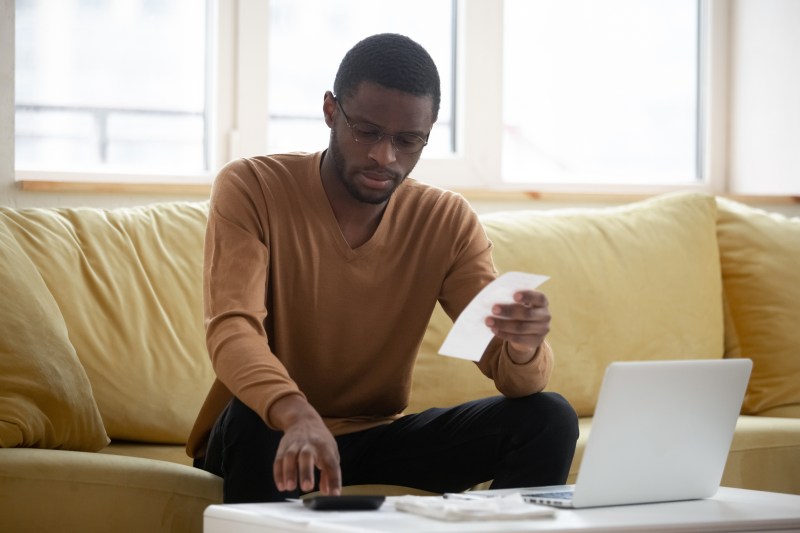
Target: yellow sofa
[102,346]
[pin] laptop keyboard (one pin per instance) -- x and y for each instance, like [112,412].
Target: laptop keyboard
[560,495]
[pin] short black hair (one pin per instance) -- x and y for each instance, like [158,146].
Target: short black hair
[393,61]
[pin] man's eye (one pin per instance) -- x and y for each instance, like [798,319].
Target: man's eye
[408,141]
[366,131]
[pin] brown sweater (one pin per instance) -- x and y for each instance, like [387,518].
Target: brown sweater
[290,308]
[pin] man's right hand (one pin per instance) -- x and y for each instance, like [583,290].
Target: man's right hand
[307,443]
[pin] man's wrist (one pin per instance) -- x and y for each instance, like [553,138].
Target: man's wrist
[521,356]
[289,410]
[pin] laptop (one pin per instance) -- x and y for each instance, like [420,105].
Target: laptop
[661,432]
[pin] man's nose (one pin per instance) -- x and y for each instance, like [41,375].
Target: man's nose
[383,151]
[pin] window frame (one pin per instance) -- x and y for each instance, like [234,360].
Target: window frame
[121,181]
[239,123]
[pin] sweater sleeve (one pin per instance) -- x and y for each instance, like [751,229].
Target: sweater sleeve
[235,279]
[512,379]
[471,271]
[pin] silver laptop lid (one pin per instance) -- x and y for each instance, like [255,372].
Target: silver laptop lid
[661,431]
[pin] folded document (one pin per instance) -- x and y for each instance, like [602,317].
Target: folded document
[470,335]
[508,507]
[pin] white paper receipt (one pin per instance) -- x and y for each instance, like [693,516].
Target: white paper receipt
[470,335]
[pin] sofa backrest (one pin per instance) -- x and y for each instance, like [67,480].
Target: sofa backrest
[46,399]
[640,281]
[128,283]
[760,257]
[636,282]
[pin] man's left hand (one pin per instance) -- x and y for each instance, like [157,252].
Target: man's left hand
[524,324]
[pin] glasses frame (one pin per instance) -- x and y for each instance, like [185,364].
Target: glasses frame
[380,133]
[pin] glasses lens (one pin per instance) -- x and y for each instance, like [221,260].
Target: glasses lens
[366,133]
[408,143]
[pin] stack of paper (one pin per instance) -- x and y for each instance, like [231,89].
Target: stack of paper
[509,507]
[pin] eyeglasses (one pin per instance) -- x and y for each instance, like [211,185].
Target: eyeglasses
[366,133]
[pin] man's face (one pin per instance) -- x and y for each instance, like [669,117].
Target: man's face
[372,172]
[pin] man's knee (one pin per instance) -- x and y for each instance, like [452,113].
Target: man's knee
[551,413]
[543,431]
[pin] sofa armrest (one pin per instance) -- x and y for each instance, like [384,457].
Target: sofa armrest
[55,490]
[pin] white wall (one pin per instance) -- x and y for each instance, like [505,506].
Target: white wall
[764,99]
[764,102]
[6,100]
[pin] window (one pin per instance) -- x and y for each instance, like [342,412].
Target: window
[586,92]
[600,92]
[112,86]
[620,96]
[302,69]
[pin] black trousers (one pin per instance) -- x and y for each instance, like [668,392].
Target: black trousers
[516,442]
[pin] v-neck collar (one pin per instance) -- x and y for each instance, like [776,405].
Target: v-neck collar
[328,218]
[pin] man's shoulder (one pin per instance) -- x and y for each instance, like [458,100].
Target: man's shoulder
[268,172]
[420,193]
[447,210]
[274,182]
[272,165]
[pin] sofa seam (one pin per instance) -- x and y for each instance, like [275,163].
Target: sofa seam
[106,484]
[782,447]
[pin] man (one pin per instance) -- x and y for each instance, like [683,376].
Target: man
[321,273]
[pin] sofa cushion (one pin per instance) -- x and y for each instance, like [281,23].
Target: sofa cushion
[128,282]
[45,397]
[53,490]
[760,254]
[173,453]
[765,455]
[635,282]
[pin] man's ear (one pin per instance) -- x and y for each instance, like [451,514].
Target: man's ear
[329,108]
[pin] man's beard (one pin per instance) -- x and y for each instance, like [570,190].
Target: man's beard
[378,197]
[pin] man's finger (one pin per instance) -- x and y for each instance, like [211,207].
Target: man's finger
[288,470]
[305,467]
[277,475]
[330,480]
[518,327]
[520,312]
[330,474]
[531,298]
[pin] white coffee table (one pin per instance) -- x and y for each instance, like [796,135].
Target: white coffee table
[729,510]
